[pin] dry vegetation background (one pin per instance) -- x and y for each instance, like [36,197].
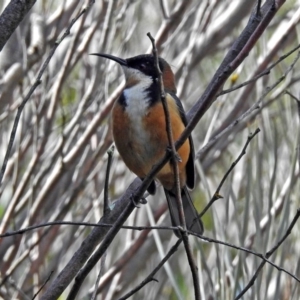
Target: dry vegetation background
[57,165]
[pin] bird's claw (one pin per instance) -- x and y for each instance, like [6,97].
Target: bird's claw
[133,201]
[143,200]
[177,157]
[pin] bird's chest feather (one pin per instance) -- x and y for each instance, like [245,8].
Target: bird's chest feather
[136,109]
[139,130]
[134,136]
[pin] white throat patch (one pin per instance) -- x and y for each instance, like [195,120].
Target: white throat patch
[137,100]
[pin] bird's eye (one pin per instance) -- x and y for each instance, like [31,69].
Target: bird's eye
[143,66]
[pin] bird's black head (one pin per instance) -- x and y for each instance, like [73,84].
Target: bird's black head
[146,64]
[140,67]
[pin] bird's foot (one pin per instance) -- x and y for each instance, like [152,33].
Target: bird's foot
[177,157]
[135,203]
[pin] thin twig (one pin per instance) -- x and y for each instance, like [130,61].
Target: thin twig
[298,106]
[217,195]
[87,224]
[35,295]
[174,161]
[150,277]
[175,158]
[297,101]
[101,271]
[246,250]
[110,154]
[268,254]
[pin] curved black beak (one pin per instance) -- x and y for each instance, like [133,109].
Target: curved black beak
[119,60]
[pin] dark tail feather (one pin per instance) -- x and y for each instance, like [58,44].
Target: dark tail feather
[193,223]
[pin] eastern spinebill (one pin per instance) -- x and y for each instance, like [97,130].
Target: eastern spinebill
[139,130]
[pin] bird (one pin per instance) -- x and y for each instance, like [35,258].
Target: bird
[140,136]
